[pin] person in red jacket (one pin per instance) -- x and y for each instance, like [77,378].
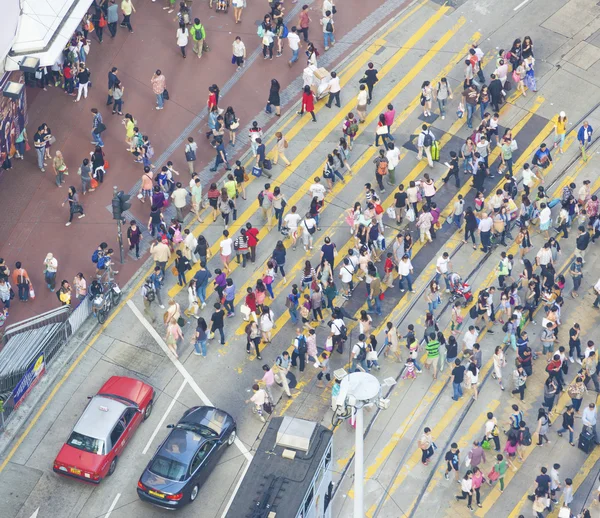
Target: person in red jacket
[308,103]
[252,236]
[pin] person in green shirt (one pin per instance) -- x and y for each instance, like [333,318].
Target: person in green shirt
[500,467]
[507,153]
[433,352]
[198,35]
[20,144]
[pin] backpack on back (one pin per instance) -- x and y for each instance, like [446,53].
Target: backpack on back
[427,140]
[95,256]
[526,437]
[382,168]
[362,353]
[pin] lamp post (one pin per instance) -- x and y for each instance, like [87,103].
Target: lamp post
[359,389]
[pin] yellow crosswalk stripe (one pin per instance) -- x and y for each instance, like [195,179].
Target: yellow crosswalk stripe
[336,122]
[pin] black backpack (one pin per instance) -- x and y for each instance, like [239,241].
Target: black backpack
[302,345]
[428,139]
[473,312]
[329,26]
[150,293]
[362,353]
[260,197]
[526,437]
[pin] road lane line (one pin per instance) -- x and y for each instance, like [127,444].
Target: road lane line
[164,417]
[182,370]
[520,5]
[112,506]
[236,489]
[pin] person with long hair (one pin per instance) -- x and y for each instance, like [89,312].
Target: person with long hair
[200,337]
[426,98]
[173,335]
[308,103]
[74,206]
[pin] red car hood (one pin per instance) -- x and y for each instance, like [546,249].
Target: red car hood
[73,457]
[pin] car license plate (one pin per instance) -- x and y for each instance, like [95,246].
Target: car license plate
[156,493]
[75,471]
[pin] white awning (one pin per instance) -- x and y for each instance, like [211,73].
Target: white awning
[45,27]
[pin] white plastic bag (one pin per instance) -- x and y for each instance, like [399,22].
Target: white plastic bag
[391,212]
[410,215]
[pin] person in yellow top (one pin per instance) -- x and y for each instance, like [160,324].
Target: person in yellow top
[560,130]
[129,130]
[127,8]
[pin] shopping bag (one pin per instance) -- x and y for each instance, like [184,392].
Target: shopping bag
[410,215]
[166,94]
[256,171]
[391,212]
[31,293]
[94,183]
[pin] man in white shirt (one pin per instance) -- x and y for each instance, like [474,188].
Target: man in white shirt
[393,158]
[528,176]
[441,270]
[291,222]
[597,290]
[226,246]
[545,217]
[483,148]
[485,231]
[328,30]
[294,43]
[589,419]
[359,355]
[345,275]
[309,227]
[179,198]
[470,339]
[405,270]
[317,189]
[424,142]
[334,91]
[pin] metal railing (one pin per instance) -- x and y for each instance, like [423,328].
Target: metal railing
[26,341]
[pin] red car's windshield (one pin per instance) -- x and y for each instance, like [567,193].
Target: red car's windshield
[85,443]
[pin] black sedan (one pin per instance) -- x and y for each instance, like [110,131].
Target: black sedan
[186,457]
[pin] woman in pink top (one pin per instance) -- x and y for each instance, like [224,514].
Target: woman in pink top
[477,479]
[173,335]
[389,115]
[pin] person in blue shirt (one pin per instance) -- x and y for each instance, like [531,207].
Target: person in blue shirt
[221,158]
[157,279]
[584,136]
[542,158]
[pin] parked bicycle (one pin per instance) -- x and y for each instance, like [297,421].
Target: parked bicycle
[107,300]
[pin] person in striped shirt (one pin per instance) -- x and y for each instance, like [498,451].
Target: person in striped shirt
[433,352]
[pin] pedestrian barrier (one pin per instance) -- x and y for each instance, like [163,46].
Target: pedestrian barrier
[29,348]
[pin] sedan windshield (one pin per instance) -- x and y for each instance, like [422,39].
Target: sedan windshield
[168,468]
[85,443]
[207,433]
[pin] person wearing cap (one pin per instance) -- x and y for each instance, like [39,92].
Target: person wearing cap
[560,131]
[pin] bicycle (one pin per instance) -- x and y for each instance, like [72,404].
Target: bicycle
[110,298]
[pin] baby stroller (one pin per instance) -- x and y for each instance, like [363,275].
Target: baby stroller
[459,290]
[220,5]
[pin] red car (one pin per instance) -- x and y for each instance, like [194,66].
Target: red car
[106,426]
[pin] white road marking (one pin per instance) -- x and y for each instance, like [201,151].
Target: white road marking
[520,5]
[164,417]
[112,506]
[235,490]
[34,515]
[183,371]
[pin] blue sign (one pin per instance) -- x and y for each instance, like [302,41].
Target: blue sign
[29,380]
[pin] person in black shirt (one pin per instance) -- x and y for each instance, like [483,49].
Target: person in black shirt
[452,461]
[458,376]
[542,484]
[452,169]
[370,79]
[568,424]
[217,322]
[134,236]
[112,81]
[400,205]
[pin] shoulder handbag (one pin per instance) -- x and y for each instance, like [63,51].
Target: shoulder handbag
[99,128]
